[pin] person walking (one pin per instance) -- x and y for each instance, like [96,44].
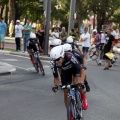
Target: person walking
[108,47]
[11,28]
[18,34]
[85,38]
[2,33]
[27,31]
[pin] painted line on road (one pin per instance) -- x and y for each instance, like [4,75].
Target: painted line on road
[25,57]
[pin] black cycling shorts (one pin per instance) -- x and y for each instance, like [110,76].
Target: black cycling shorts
[66,76]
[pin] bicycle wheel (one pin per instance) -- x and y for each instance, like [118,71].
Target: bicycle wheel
[36,66]
[41,67]
[71,111]
[94,53]
[117,59]
[79,109]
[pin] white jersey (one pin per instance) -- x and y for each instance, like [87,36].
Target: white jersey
[18,31]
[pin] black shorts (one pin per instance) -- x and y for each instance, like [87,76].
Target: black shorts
[85,49]
[66,76]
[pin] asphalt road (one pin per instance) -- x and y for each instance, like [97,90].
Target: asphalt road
[26,95]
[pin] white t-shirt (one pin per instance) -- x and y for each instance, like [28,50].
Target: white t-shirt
[103,36]
[116,35]
[56,34]
[53,37]
[113,33]
[86,43]
[18,31]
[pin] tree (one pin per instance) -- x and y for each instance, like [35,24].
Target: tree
[104,9]
[11,15]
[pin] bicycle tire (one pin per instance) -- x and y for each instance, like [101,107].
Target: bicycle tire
[41,67]
[71,109]
[117,59]
[36,67]
[93,53]
[79,107]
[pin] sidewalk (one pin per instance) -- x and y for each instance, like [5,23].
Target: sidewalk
[6,69]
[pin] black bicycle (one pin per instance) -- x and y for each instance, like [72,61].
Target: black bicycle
[37,63]
[74,104]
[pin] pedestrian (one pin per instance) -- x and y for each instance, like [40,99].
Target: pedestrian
[54,35]
[3,30]
[73,34]
[116,36]
[37,25]
[18,34]
[27,31]
[63,35]
[41,35]
[11,28]
[85,38]
[108,47]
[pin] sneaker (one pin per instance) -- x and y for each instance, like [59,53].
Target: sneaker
[84,102]
[87,86]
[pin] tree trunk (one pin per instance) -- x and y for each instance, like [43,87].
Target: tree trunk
[1,10]
[11,15]
[5,13]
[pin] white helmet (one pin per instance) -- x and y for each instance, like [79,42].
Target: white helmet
[32,35]
[69,40]
[57,52]
[67,47]
[56,42]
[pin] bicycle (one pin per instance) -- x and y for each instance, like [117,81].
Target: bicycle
[37,63]
[74,104]
[116,60]
[94,51]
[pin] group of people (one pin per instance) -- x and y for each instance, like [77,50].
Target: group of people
[106,40]
[25,31]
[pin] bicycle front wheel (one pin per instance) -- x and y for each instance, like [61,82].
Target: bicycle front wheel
[93,53]
[41,67]
[71,110]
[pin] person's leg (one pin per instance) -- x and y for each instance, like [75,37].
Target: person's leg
[18,43]
[0,41]
[3,40]
[24,42]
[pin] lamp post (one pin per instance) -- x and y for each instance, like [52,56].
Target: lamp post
[72,15]
[47,27]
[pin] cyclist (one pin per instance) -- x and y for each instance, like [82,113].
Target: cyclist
[80,58]
[70,68]
[32,46]
[73,43]
[55,68]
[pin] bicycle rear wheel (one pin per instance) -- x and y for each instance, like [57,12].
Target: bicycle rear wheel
[41,67]
[71,111]
[93,53]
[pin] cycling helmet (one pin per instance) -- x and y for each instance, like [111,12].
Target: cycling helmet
[69,40]
[57,52]
[67,47]
[56,42]
[32,35]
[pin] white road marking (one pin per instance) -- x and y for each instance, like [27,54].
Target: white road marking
[13,60]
